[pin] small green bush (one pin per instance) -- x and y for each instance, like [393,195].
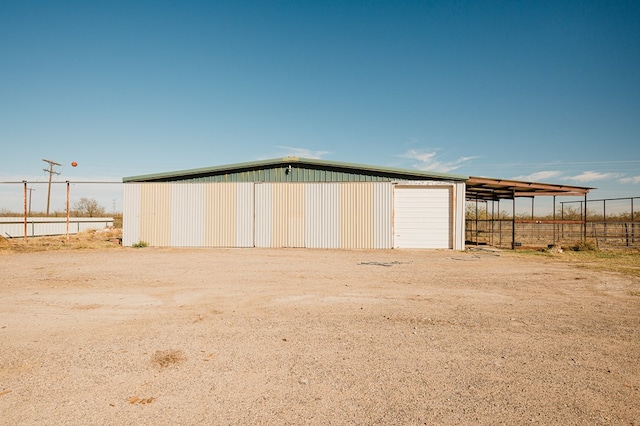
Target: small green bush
[140,244]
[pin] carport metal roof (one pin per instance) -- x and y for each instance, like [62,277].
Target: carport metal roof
[483,188]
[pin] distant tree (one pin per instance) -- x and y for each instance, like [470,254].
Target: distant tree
[484,212]
[88,207]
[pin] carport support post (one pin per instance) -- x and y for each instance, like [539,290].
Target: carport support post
[493,207]
[486,218]
[533,225]
[562,219]
[532,208]
[555,225]
[499,225]
[477,221]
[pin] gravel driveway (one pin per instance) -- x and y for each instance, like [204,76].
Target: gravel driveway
[256,336]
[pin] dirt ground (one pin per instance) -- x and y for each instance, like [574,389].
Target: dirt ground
[253,336]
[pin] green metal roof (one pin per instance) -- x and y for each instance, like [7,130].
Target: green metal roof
[293,169]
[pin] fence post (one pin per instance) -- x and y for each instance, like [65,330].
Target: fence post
[513,222]
[604,216]
[24,182]
[584,235]
[626,231]
[67,210]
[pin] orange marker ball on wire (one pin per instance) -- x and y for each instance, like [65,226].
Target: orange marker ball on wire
[74,164]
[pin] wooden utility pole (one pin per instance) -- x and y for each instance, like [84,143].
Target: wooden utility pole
[30,191]
[51,173]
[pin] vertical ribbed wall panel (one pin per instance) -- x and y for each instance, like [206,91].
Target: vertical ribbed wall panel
[263,214]
[155,214]
[245,208]
[288,215]
[131,214]
[279,216]
[187,215]
[356,215]
[322,215]
[220,214]
[382,215]
[296,202]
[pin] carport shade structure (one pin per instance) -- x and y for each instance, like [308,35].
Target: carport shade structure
[490,189]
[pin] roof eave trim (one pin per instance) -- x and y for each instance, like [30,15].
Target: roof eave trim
[286,160]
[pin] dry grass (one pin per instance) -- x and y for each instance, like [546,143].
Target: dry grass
[622,261]
[626,262]
[107,238]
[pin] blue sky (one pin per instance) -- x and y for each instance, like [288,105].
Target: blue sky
[533,90]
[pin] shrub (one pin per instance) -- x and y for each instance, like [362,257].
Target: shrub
[140,244]
[583,246]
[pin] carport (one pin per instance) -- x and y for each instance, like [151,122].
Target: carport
[483,189]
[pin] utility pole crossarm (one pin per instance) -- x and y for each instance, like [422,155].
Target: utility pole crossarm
[51,173]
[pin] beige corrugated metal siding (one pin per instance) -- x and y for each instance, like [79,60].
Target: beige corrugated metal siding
[263,215]
[155,214]
[382,216]
[323,215]
[288,224]
[228,217]
[187,215]
[245,208]
[280,215]
[356,215]
[131,215]
[349,215]
[220,215]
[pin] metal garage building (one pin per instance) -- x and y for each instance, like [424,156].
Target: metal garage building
[295,202]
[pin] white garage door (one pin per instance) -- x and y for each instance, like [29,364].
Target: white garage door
[422,217]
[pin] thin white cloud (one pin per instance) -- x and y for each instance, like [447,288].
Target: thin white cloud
[542,176]
[591,176]
[632,179]
[301,152]
[426,160]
